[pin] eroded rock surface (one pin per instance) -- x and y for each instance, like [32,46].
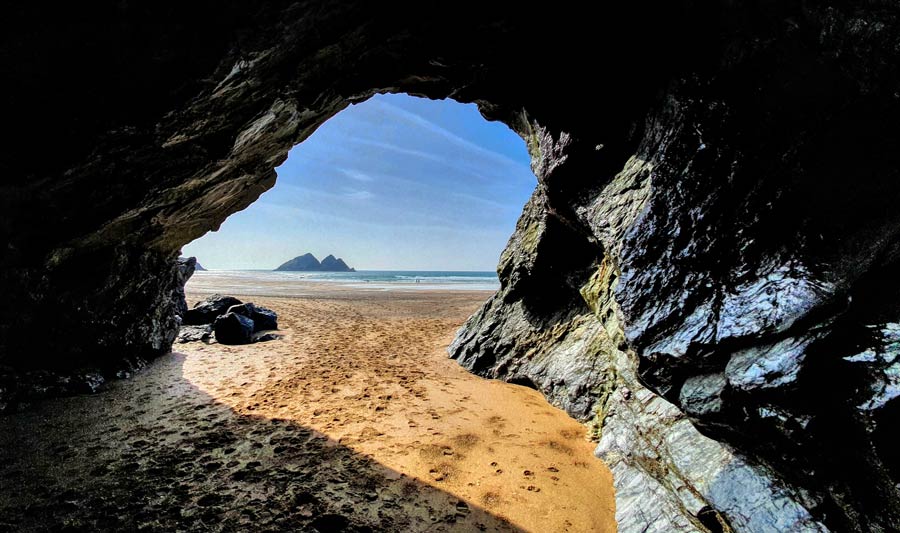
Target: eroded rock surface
[714,231]
[195,333]
[740,286]
[668,476]
[206,311]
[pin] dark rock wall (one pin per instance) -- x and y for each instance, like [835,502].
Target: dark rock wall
[770,209]
[713,218]
[747,256]
[92,309]
[754,258]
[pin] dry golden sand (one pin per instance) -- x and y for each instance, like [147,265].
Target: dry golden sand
[370,371]
[355,419]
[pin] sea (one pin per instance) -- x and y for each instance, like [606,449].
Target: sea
[269,282]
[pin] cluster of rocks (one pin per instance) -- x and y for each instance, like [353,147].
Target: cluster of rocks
[229,320]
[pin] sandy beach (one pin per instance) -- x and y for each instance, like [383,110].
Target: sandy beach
[354,420]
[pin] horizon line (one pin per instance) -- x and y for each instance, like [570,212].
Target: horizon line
[346,272]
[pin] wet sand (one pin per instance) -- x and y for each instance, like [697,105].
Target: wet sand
[354,420]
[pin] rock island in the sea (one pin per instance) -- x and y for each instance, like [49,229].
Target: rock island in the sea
[309,263]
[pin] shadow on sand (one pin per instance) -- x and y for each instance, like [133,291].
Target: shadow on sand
[158,454]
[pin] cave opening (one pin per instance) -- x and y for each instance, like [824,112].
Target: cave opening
[420,197]
[393,183]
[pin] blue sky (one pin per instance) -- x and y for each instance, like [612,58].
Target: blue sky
[393,183]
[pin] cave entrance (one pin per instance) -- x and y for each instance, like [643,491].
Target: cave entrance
[420,197]
[395,183]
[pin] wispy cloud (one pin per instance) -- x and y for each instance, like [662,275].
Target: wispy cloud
[356,174]
[299,193]
[424,123]
[293,214]
[357,194]
[431,156]
[485,201]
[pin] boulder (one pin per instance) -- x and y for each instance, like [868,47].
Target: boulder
[228,328]
[232,328]
[208,310]
[263,318]
[195,333]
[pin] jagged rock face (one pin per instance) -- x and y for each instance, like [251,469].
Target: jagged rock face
[712,246]
[743,274]
[185,269]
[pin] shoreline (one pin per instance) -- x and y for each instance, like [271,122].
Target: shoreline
[281,284]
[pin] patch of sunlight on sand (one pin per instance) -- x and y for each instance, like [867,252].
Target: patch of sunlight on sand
[371,373]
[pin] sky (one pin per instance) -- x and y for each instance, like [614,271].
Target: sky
[393,183]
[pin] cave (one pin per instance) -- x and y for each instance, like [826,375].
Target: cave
[706,272]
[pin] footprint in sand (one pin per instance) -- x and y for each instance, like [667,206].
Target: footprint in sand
[442,472]
[466,440]
[490,499]
[572,434]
